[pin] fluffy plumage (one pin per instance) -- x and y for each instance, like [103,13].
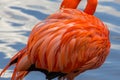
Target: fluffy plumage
[64,45]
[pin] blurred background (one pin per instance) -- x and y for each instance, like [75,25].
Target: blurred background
[18,17]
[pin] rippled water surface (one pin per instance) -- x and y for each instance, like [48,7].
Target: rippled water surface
[17,18]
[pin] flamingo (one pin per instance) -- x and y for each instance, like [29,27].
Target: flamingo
[64,45]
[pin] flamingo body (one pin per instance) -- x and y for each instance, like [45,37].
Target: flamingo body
[64,45]
[65,42]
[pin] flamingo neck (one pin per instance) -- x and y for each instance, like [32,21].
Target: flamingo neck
[91,6]
[70,4]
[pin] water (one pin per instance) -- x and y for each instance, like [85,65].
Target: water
[17,18]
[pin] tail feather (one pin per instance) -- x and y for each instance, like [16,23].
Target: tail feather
[19,75]
[22,74]
[7,66]
[13,60]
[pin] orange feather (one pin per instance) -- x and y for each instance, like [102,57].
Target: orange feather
[64,45]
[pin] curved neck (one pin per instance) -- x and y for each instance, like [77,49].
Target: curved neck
[90,8]
[70,4]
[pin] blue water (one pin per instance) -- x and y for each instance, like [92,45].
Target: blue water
[18,17]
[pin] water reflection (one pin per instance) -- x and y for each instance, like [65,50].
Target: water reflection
[17,18]
[111,4]
[36,14]
[109,18]
[2,59]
